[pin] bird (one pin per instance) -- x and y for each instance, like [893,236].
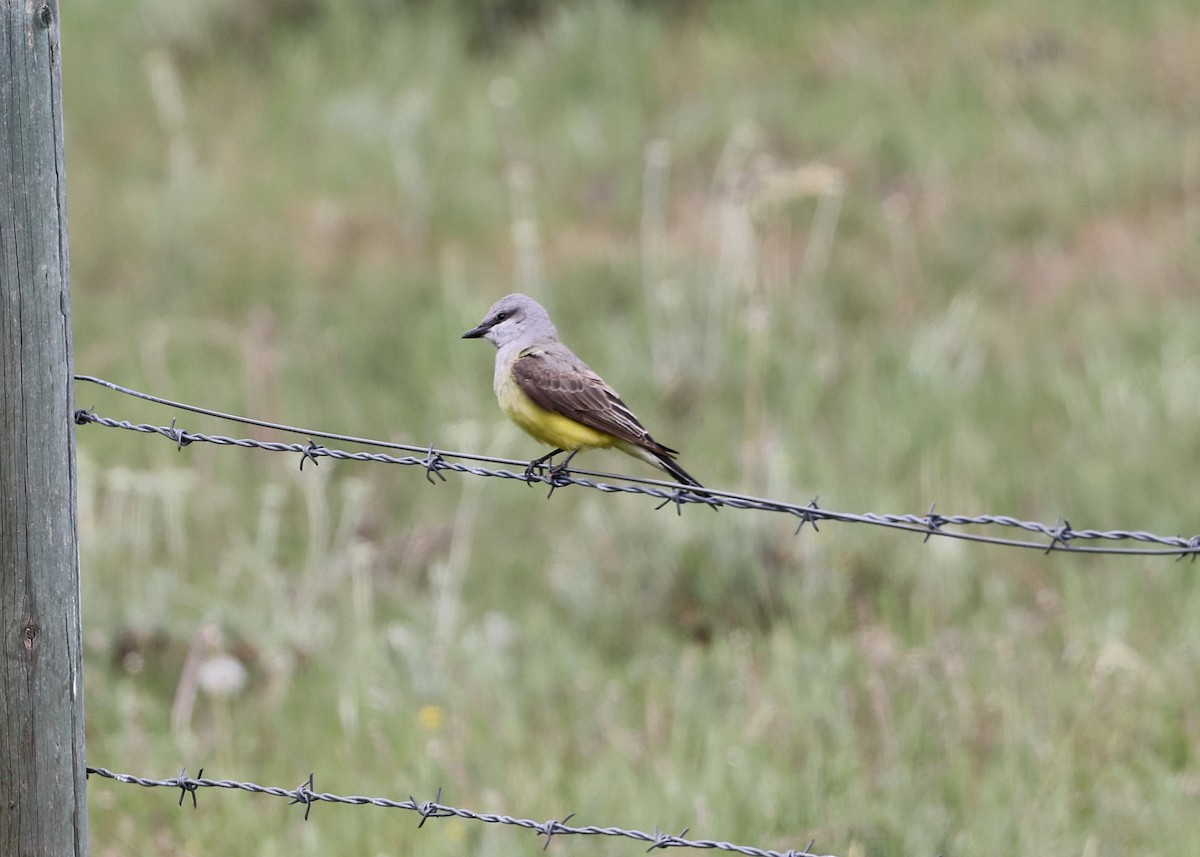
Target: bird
[555,397]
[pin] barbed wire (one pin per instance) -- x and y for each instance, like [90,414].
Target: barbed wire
[1063,538]
[306,794]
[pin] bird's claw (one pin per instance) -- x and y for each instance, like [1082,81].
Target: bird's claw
[558,475]
[546,462]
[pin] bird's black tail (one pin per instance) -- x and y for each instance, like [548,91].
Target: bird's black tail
[672,466]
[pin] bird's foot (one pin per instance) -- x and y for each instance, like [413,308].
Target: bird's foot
[558,475]
[542,464]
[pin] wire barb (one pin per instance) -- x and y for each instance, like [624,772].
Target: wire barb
[934,522]
[807,515]
[310,453]
[304,794]
[556,479]
[1193,547]
[429,809]
[187,786]
[1060,535]
[677,497]
[666,840]
[433,464]
[179,435]
[551,827]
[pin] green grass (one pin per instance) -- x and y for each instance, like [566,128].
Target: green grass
[894,254]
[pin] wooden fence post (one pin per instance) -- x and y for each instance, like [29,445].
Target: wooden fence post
[43,805]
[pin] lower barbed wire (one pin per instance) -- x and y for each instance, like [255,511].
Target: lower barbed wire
[307,795]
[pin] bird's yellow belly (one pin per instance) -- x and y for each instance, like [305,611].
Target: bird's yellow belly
[546,426]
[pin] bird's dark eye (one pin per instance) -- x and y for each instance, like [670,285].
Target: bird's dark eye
[500,316]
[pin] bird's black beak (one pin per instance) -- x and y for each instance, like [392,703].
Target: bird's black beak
[476,332]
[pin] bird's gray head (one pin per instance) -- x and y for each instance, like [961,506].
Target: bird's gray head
[513,318]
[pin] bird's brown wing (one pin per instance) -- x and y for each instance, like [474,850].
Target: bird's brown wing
[557,380]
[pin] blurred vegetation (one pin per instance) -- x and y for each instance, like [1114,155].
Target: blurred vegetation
[884,253]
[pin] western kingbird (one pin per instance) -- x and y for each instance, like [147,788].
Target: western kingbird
[555,397]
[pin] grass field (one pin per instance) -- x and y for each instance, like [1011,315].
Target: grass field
[885,255]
